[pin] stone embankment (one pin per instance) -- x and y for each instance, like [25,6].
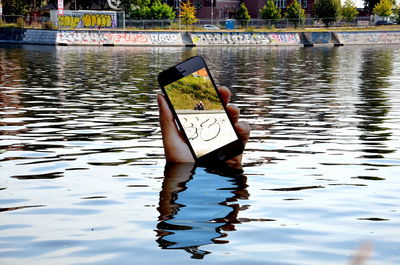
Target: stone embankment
[179,38]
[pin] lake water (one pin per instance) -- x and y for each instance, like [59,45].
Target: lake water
[83,178]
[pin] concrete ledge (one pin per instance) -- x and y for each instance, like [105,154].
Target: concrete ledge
[119,38]
[245,38]
[367,37]
[178,38]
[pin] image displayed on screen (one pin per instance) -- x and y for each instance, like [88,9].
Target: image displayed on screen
[200,112]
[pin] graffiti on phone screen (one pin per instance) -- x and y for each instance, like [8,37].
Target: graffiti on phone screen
[205,128]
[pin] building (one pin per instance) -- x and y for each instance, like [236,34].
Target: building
[223,9]
[216,9]
[254,6]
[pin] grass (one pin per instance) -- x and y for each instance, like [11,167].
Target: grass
[188,91]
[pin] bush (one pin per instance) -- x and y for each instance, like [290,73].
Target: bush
[327,10]
[383,8]
[295,13]
[242,15]
[270,11]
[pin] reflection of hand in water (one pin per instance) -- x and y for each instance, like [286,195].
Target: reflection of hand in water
[197,205]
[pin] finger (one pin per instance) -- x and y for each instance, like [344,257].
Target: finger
[225,94]
[243,129]
[175,147]
[167,122]
[233,112]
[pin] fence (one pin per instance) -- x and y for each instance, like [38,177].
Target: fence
[37,22]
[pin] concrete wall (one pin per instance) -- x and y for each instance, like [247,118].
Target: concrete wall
[216,38]
[119,38]
[369,37]
[244,38]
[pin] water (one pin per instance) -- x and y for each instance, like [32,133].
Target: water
[82,168]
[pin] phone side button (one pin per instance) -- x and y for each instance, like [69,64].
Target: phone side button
[220,156]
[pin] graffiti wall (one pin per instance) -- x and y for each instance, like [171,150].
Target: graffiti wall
[241,38]
[87,19]
[380,37]
[119,38]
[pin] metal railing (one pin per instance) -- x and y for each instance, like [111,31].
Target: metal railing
[253,24]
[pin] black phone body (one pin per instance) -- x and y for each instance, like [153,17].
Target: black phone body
[194,99]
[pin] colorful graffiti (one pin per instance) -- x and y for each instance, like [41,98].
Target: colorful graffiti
[233,38]
[118,38]
[368,38]
[79,19]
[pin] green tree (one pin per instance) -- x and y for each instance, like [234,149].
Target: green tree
[349,10]
[140,12]
[327,10]
[15,7]
[270,11]
[161,11]
[242,15]
[136,9]
[295,13]
[383,8]
[188,13]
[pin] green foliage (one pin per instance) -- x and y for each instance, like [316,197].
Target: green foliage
[242,14]
[188,13]
[136,9]
[383,8]
[142,9]
[270,11]
[396,12]
[349,10]
[161,11]
[15,7]
[130,5]
[327,10]
[295,13]
[188,91]
[140,12]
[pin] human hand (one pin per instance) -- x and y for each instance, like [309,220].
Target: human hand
[175,146]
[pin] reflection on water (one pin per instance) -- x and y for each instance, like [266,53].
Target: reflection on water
[197,204]
[374,108]
[82,167]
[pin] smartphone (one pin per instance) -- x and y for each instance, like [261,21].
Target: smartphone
[194,99]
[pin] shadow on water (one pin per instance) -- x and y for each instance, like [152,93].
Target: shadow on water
[198,205]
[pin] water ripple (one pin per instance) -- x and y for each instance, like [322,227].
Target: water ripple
[83,177]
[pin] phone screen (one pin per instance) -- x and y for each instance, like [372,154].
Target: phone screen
[200,112]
